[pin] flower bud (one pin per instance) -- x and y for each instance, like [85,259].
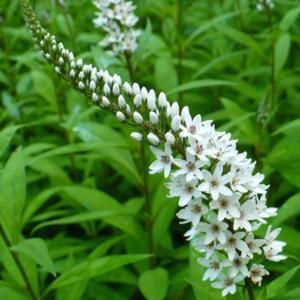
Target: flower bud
[153,117]
[170,138]
[162,100]
[137,101]
[106,89]
[127,88]
[175,124]
[120,116]
[137,136]
[153,139]
[144,93]
[138,118]
[95,97]
[92,85]
[105,102]
[136,89]
[174,110]
[121,102]
[81,85]
[72,73]
[116,89]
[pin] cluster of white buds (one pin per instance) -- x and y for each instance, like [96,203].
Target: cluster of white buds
[117,19]
[220,195]
[264,4]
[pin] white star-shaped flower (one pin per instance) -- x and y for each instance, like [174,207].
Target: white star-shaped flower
[193,212]
[163,161]
[185,190]
[215,184]
[214,231]
[214,267]
[227,206]
[189,167]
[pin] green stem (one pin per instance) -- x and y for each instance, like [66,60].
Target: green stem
[180,50]
[145,188]
[19,265]
[273,78]
[249,287]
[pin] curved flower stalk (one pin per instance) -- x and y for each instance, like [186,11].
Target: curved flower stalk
[264,5]
[221,197]
[117,19]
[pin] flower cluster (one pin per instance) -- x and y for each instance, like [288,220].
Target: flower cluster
[264,4]
[117,19]
[220,195]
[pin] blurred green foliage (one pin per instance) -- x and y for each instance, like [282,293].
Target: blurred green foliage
[71,186]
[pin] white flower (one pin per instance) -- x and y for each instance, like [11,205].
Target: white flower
[163,161]
[253,244]
[193,212]
[179,187]
[247,213]
[215,184]
[227,283]
[227,206]
[214,267]
[117,19]
[272,247]
[208,249]
[192,128]
[189,167]
[233,243]
[237,265]
[257,272]
[214,231]
[200,149]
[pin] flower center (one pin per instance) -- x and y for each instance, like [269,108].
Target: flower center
[192,129]
[228,282]
[189,189]
[165,159]
[214,265]
[224,203]
[215,228]
[197,208]
[190,166]
[199,149]
[232,241]
[214,183]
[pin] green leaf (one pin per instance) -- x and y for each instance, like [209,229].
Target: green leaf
[13,193]
[276,286]
[290,209]
[209,24]
[44,87]
[79,218]
[200,84]
[165,73]
[289,19]
[241,38]
[289,126]
[154,284]
[7,293]
[93,268]
[94,200]
[37,250]
[5,137]
[282,49]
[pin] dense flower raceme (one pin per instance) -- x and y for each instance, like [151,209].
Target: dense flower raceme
[220,195]
[264,4]
[117,19]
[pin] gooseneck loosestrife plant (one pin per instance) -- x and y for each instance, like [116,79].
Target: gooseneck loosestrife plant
[220,195]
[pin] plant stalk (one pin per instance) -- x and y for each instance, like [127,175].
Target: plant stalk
[19,265]
[180,50]
[145,187]
[249,287]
